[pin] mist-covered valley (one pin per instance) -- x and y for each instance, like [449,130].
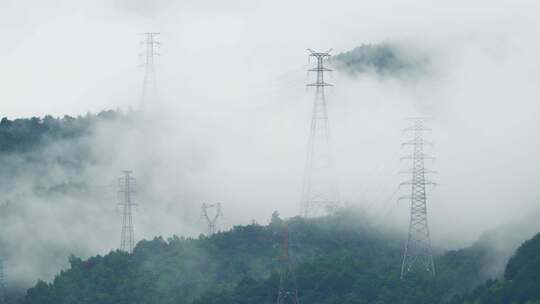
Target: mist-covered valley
[229,123]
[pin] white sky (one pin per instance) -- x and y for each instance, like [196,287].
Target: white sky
[68,57]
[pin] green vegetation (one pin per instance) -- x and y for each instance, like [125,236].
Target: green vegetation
[49,153]
[520,284]
[384,59]
[28,134]
[339,259]
[44,161]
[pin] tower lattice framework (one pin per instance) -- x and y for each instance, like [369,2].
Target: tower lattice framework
[149,91]
[418,254]
[211,220]
[126,190]
[319,189]
[3,281]
[287,290]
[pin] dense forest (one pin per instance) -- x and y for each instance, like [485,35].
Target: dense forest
[338,259]
[27,134]
[35,148]
[520,283]
[383,59]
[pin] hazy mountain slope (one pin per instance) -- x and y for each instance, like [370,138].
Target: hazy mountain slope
[521,282]
[47,194]
[338,259]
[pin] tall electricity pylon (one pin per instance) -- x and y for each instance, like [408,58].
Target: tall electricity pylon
[319,189]
[211,220]
[149,90]
[418,253]
[126,190]
[288,291]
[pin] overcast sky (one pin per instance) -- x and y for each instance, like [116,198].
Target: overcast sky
[71,56]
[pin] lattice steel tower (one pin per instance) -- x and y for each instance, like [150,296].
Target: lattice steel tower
[211,220]
[287,290]
[319,189]
[149,90]
[3,280]
[418,253]
[126,190]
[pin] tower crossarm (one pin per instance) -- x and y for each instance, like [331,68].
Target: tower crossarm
[415,183]
[418,156]
[322,84]
[320,69]
[424,171]
[416,142]
[319,54]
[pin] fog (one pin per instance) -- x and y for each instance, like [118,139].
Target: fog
[232,120]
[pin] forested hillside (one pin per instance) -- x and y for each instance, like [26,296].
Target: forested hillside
[47,152]
[46,173]
[520,284]
[27,134]
[338,259]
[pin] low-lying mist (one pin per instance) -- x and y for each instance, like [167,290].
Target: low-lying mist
[232,121]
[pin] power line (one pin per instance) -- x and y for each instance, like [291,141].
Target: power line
[211,220]
[126,190]
[319,188]
[418,252]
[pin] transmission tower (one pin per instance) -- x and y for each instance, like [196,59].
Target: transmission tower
[211,220]
[126,190]
[149,91]
[3,280]
[418,253]
[319,188]
[288,291]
